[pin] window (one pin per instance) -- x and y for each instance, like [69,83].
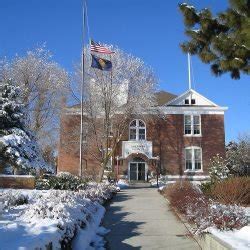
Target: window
[137,130]
[192,125]
[188,124]
[196,125]
[186,101]
[193,159]
[189,159]
[192,101]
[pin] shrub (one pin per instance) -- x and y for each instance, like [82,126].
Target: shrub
[182,193]
[206,187]
[7,199]
[218,169]
[188,200]
[232,191]
[62,181]
[227,217]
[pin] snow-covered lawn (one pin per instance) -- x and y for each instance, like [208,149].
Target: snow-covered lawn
[32,219]
[238,239]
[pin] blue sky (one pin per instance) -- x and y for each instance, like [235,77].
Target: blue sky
[149,29]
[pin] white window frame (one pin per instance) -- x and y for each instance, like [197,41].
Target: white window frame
[137,128]
[193,160]
[192,125]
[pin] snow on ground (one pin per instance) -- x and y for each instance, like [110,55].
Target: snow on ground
[238,239]
[164,180]
[32,219]
[122,184]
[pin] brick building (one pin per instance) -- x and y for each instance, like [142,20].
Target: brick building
[178,137]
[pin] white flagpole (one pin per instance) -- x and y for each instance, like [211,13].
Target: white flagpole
[189,71]
[82,87]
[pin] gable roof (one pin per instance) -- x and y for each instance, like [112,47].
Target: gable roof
[162,97]
[200,100]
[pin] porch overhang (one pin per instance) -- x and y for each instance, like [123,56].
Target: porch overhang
[137,147]
[139,155]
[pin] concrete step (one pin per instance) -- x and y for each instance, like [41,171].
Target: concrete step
[139,184]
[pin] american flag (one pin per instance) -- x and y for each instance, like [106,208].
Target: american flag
[96,47]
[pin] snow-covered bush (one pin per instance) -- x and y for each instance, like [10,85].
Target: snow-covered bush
[12,198]
[55,216]
[66,181]
[61,206]
[100,192]
[18,146]
[227,217]
[218,169]
[238,156]
[62,181]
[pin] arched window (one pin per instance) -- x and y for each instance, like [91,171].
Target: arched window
[137,130]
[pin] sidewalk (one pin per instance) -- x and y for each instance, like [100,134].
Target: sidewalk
[140,218]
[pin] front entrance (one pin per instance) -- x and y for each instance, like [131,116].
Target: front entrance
[137,170]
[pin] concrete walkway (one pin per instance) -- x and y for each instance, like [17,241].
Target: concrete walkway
[140,218]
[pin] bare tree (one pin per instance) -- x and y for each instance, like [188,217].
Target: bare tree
[112,98]
[43,83]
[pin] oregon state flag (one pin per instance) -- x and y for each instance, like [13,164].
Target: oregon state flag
[100,63]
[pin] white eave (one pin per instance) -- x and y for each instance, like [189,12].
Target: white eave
[175,106]
[191,110]
[190,93]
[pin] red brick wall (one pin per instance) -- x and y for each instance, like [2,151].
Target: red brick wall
[166,134]
[173,141]
[10,181]
[69,148]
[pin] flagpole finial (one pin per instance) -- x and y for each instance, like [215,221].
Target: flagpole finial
[189,71]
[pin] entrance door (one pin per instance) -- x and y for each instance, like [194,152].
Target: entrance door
[141,171]
[133,171]
[137,171]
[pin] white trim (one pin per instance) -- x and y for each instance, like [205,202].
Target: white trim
[191,110]
[192,92]
[165,110]
[193,160]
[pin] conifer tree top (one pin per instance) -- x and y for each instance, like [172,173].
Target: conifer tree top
[223,41]
[11,114]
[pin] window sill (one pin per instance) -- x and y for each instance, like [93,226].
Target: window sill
[191,135]
[193,171]
[138,140]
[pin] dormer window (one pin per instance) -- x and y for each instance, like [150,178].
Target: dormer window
[137,130]
[186,101]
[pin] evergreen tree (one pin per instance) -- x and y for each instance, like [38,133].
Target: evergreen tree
[18,146]
[223,41]
[11,114]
